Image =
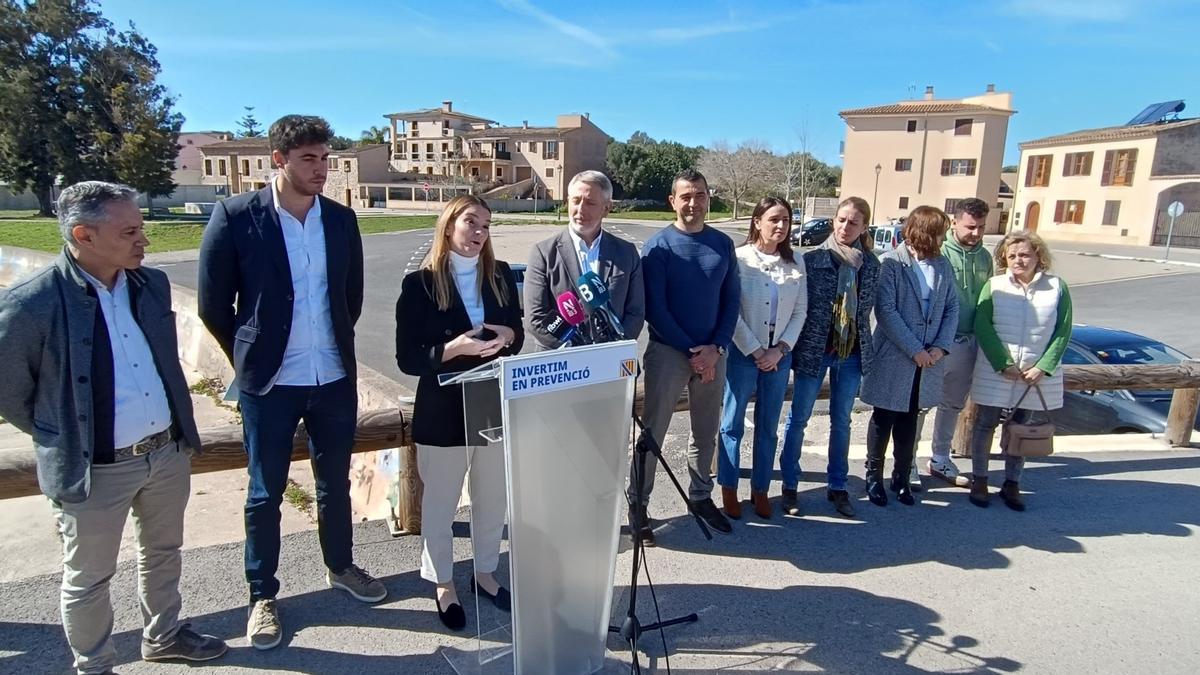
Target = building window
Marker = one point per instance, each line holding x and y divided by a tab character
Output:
1077	164
1037	172
1118	167
912	126
550	150
962	127
474	172
189	141
958	167
333	164
259	163
904	165
208	167
346	166
445	127
416	130
904	202
499	172
429	170
221	170
245	167
549	172
1068	211
1112	211
533	146
952	205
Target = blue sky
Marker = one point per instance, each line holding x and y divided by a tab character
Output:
695	72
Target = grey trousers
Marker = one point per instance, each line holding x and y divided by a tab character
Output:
668	372
986	420
960	366
155	487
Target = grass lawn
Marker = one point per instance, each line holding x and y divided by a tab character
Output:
41	234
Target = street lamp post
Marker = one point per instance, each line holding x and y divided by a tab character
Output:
875	196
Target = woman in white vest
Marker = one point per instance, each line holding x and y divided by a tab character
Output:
1023	324
774	304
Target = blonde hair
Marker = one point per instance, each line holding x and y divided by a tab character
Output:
438	260
1022	236
864	209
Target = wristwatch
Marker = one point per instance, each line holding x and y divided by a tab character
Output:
721	350
783	348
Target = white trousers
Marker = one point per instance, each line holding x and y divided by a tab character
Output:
442	471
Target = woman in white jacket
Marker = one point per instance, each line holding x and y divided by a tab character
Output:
1023	323
774	304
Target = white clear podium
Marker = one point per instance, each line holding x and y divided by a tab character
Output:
564	419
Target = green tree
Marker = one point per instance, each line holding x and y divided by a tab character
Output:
376	135
250	128
79	100
340	143
644	167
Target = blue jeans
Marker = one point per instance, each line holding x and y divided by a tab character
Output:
743	378
844	379
330	413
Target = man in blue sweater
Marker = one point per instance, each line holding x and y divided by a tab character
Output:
692	302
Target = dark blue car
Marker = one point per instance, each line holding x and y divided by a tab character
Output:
1120	410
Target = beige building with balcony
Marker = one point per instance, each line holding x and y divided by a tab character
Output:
1112	185
452	146
237	166
931	151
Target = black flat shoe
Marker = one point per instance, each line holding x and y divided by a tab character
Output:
502	599
903	492
876	493
453	617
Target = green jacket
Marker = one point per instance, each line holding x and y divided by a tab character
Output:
972	269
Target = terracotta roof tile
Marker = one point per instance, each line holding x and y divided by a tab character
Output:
921	107
1107	134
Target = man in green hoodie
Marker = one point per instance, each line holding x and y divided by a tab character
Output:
972	264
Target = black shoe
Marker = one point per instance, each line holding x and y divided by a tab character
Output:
706	509
453	616
841	502
1010	492
639	518
903	492
790	504
875	491
502	599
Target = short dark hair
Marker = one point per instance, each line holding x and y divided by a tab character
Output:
293	131
976	208
691	176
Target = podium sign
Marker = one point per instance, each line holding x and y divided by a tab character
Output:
567	417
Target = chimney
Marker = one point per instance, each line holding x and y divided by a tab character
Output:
587	115
991	89
524	124
447	106
929	93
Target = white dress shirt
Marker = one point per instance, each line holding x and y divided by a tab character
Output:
139	400
589	256
311	357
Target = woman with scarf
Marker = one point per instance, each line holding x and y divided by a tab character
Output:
842	274
916	314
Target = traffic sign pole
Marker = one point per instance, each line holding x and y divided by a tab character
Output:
1173	211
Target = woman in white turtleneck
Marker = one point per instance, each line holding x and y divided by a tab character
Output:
458	311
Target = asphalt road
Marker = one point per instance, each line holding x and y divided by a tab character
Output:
1098	576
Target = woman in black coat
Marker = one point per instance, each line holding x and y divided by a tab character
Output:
460	310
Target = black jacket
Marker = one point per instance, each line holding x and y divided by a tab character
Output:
422	331
245	290
822	272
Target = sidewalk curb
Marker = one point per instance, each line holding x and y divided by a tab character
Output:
1113	256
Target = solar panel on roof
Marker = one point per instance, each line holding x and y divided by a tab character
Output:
1155	112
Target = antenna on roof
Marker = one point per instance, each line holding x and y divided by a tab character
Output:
1157	112
912	90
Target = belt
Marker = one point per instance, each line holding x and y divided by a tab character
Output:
147	445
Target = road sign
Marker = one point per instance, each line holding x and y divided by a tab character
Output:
1175	209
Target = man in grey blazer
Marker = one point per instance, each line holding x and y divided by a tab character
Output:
557	263
91	372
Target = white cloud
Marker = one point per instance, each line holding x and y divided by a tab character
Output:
572	31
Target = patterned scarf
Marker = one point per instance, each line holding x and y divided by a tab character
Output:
845	300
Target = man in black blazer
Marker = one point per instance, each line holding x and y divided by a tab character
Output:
281	287
556	263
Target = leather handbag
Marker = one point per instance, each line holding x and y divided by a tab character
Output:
1029	438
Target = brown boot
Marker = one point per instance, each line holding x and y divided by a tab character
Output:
730	502
979	492
1010	492
762	506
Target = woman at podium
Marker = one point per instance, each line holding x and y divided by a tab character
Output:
459	311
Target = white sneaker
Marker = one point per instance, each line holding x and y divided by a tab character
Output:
948	472
914	479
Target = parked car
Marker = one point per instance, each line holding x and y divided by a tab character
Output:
812	233
886	237
797	216
1120	410
518	270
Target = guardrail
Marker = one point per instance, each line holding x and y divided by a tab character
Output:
390	428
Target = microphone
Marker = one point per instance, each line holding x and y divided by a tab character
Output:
565	326
595	294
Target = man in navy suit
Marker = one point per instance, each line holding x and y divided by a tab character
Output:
281	287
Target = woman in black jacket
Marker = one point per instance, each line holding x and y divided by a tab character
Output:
460	310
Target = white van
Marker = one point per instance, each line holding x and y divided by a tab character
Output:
887	237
